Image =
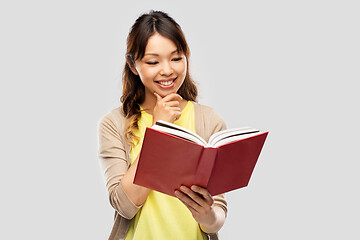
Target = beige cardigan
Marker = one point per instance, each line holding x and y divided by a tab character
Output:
114	154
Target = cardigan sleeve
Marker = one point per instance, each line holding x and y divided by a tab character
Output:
114	162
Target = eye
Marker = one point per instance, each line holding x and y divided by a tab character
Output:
177	59
151	63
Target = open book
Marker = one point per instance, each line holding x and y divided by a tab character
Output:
172	156
218	139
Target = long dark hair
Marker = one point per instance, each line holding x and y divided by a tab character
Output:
133	89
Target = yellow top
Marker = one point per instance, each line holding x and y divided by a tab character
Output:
163	217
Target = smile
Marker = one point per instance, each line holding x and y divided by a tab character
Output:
166	84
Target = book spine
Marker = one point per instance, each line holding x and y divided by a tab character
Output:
205	167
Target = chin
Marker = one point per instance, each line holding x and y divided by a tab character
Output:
162	94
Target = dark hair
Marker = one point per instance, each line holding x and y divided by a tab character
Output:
133	89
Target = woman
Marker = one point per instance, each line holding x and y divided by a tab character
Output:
156	86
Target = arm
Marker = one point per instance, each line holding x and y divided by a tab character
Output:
218	222
136	193
167	109
126	197
115	162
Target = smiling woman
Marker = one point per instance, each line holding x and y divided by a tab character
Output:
162	70
156	86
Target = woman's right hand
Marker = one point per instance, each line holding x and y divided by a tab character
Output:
167	108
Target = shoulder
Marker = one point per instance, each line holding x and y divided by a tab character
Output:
202	107
111	128
204	110
114	119
207	120
208	113
115	114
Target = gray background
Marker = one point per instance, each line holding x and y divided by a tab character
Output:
289	67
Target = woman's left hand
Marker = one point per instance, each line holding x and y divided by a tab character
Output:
199	201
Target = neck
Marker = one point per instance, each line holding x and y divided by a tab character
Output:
149	104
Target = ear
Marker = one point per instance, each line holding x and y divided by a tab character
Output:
133	69
131	65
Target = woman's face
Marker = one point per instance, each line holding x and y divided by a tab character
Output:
163	68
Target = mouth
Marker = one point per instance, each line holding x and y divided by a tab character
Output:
168	83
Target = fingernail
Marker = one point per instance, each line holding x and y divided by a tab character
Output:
177	193
182	188
193	187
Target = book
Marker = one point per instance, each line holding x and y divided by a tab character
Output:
172	156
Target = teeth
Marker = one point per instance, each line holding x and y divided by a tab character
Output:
167	83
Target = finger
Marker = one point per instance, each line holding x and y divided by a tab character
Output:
194	196
172	97
187	201
203	192
173	104
177	116
175	112
175	109
180	197
158	97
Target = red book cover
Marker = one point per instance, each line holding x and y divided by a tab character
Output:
166	162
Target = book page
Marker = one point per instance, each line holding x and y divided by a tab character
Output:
178	131
235	138
229	133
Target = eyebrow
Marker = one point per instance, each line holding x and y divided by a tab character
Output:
154	54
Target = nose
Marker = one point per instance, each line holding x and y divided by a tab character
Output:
166	69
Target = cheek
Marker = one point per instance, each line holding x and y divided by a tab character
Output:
181	69
147	73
